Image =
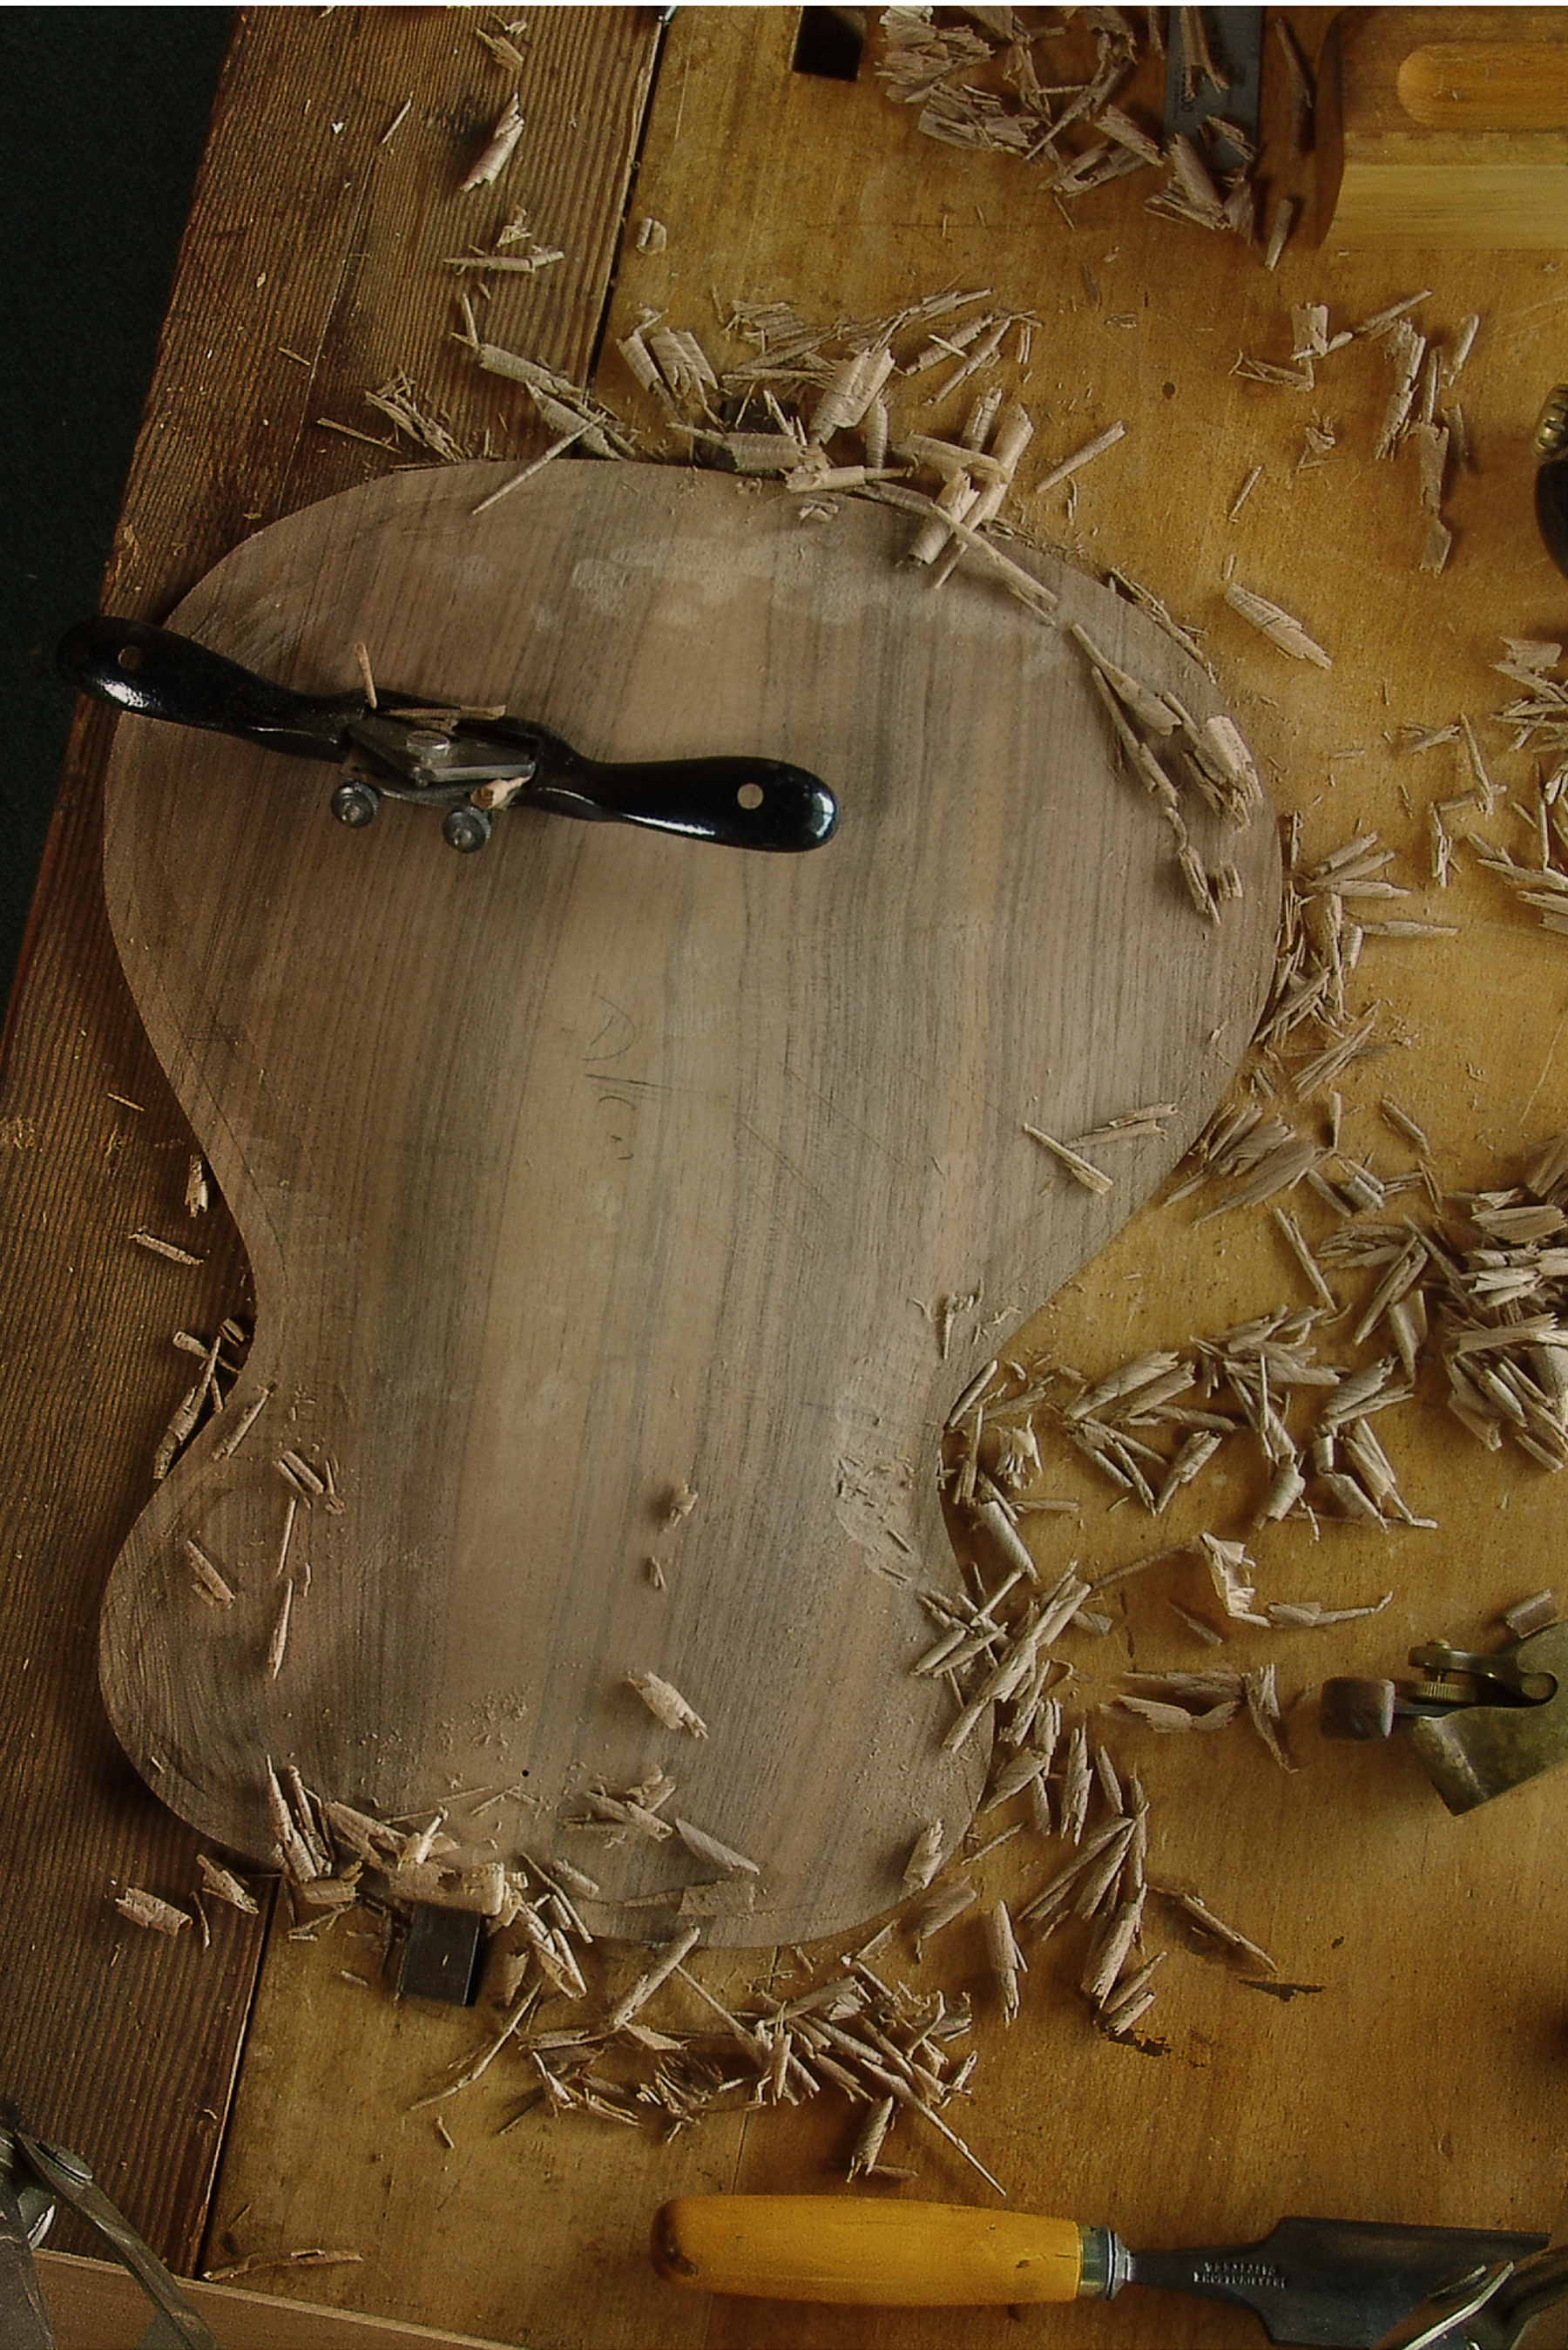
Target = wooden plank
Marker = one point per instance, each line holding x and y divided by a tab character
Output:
97	2305
98	2044
1400	2064
316	270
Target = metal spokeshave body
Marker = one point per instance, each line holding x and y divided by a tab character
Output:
467	764
1481	1723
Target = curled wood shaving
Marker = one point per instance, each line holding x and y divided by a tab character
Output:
925	1858
498	153
150	1911
224	1886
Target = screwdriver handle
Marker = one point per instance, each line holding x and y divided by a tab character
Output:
883	2255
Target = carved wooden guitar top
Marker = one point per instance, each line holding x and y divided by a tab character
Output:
604	1169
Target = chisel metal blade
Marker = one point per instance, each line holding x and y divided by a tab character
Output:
1341	2284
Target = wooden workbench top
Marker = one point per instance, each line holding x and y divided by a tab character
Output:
254	2098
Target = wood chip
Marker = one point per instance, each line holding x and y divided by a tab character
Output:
224	1886
665	1702
498	153
148	1910
709	1848
1092	1178
1274	622
157	1246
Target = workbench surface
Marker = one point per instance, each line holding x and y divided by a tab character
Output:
256	2099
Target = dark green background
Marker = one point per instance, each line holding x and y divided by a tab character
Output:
103	115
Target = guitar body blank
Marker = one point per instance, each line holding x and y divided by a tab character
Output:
604	1168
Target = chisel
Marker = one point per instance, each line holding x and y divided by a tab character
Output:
1340	2283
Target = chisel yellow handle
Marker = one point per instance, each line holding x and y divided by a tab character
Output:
841	2248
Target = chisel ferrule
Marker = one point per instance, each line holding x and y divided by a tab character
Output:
1104	2264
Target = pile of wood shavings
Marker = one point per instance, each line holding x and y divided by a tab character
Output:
1046	93
1421	409
1537	719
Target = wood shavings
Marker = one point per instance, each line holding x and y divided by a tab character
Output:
557	448
676	1506
502	47
1149	710
150	1911
1031	592
1264	1714
184	1422
1082	457
235	1436
1092	1178
666	1703
1197	1910
398	402
1295	1615
508	265
707	1848
870	2139
925	1858
1007	1960
1244	492
156	1245
565	407
1407	349
1380	322
498	153
1014	430
1234	1576
309	2256
209	1581
942	1907
278	1644
854	383
1274	622
623	1810
1309	330
1129	1126
1530	1615
224	1886
653	1977
1253	369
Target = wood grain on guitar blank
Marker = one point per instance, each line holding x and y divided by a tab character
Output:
603	1164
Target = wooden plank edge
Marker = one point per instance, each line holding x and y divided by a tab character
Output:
98	2305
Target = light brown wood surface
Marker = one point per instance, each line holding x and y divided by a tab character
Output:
602	1165
1446	128
1408	2063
